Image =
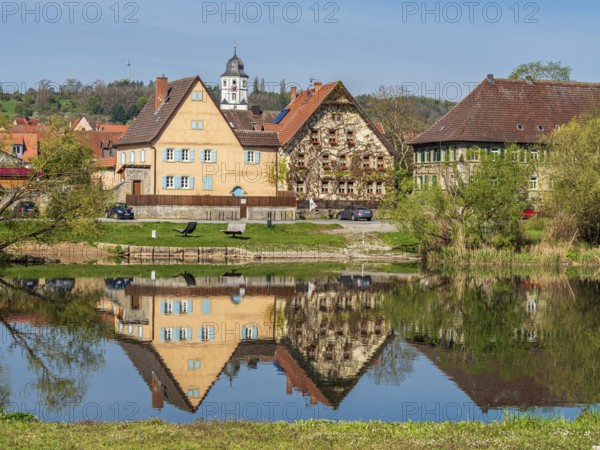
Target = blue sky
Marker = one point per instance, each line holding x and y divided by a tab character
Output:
365	44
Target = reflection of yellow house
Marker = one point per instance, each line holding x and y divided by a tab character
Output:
191	332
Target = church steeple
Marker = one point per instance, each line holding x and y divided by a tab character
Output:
234	84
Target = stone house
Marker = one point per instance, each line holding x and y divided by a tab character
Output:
330	148
497	113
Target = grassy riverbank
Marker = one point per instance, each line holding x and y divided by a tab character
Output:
583	433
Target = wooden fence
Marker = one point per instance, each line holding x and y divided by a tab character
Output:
282	201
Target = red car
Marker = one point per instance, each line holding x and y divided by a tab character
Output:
530	212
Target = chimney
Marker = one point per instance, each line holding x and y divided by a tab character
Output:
162	87
490	78
293	93
318	86
529	79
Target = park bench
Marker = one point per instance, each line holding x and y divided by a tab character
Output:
235	229
191	227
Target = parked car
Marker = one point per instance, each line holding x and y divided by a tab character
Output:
530	212
120	211
356	213
26	209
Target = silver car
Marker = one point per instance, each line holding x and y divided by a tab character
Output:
356	213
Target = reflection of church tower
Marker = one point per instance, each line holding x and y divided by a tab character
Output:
234	85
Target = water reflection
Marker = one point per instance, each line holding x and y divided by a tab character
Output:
355	347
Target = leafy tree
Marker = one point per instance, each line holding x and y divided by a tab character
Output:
398	112
542	70
481	203
64	179
118	114
575	171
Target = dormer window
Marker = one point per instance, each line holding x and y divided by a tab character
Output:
520	127
18	150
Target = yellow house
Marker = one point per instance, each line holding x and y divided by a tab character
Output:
181	144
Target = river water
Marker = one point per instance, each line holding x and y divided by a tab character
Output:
354	346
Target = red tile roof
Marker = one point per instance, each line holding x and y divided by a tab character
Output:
249	138
494	111
112	128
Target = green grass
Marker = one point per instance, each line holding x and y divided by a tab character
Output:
9	107
257	236
522	433
401	241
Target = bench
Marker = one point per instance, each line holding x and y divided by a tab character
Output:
191	227
235	229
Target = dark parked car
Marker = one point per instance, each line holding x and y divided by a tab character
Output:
26	209
356	213
120	211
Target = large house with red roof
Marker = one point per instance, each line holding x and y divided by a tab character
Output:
500	112
332	150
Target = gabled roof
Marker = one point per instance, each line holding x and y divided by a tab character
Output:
308	102
299	113
150	123
494	111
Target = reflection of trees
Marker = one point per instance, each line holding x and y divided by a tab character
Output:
484	325
67	350
395	363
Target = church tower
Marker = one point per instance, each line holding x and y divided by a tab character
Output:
234	85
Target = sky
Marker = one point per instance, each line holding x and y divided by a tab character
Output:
436	48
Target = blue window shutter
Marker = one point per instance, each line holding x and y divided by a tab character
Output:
202	156
176	334
200	96
190	364
140	332
190	335
191	182
194	125
190	393
162	307
197	365
177	182
255	333
178	155
190	306
211	333
206	306
245	157
164	182
200	125
208	183
257	156
164	154
244	332
192	155
162	335
176	307
213	156
200	334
